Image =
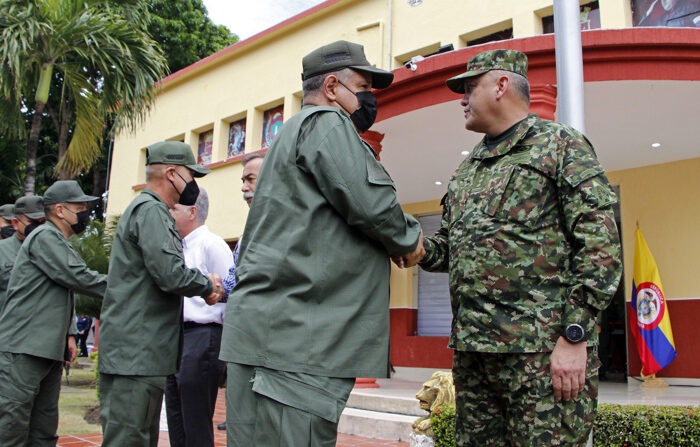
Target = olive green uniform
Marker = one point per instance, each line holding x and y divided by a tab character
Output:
141	326
310	311
8	253
529	240
35	321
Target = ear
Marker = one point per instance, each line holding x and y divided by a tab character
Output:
59	210
330	84
193	212
502	84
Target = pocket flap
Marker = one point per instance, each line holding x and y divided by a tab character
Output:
377	175
296	394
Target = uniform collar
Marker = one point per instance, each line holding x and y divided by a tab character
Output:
153	194
482	151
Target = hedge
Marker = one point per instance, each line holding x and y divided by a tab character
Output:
615	426
648	426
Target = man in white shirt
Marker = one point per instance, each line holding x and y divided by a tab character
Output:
190	394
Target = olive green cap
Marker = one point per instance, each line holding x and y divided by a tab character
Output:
174	153
66	191
30	206
343	54
508	60
6	211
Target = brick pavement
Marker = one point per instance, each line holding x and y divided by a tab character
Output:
95	439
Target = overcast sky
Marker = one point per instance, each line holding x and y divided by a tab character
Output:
249	17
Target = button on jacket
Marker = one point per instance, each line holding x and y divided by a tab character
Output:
141	324
38	311
529	239
313	274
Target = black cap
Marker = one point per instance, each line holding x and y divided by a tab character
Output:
343	54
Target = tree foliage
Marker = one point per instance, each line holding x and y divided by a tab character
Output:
99	68
185	32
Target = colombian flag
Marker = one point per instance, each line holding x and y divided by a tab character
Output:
650	321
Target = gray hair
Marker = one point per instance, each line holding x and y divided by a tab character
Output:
154	172
202	205
520	84
312	86
247	158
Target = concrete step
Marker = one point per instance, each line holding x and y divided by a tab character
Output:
371	400
376	424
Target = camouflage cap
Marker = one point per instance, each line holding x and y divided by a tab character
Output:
30	206
174	153
509	60
6	211
343	54
66	191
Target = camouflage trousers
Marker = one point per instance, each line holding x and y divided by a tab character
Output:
508	400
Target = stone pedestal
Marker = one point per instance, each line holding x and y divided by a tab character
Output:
421	440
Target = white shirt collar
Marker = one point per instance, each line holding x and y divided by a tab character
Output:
194	235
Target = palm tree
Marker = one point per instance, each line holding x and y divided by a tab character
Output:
106	66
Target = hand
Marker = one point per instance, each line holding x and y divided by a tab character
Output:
568	369
72	349
217	292
414	258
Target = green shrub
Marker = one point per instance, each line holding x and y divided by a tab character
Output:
615	426
648	426
442	421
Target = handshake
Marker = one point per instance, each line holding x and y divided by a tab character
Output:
411	259
217	292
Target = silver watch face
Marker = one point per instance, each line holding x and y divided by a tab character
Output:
575	333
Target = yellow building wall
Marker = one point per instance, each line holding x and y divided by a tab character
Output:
663	199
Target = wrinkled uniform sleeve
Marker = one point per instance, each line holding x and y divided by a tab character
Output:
60	262
359	188
586	199
437	253
161	247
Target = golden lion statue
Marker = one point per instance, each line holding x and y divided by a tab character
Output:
440	389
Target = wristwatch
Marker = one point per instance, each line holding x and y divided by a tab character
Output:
574	333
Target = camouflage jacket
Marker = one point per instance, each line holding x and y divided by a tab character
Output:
529	240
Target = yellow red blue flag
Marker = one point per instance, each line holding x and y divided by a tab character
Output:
650	321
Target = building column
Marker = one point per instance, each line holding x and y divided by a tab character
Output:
374	139
543	100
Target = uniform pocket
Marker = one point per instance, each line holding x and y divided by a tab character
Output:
490	189
296	394
377	175
525	196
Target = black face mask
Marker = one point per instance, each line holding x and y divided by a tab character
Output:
31	227
83	221
7	231
364	117
189	195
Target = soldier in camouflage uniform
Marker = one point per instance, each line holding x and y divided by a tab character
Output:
531	246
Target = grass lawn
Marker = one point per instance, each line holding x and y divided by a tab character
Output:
78	397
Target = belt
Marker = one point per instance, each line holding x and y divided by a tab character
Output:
192	324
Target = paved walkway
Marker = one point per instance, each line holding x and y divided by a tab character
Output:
95	439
